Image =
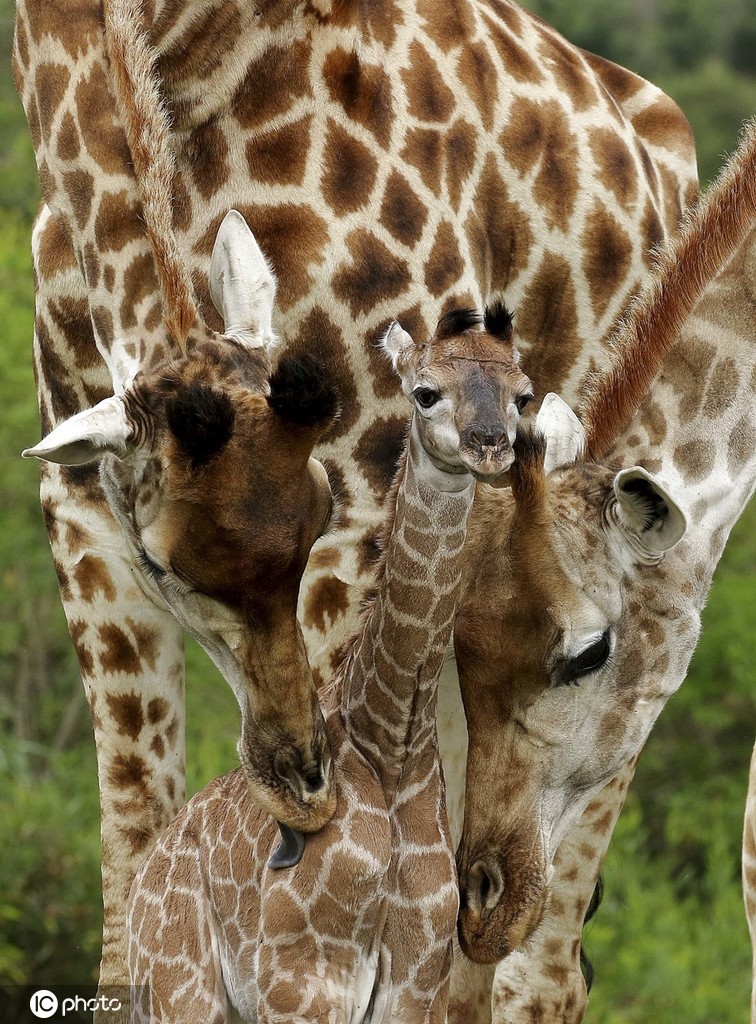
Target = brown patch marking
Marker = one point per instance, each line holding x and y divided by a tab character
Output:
328	599
402	213
126	711
723	387
94	580
444	266
695	459
423	149
79	186
50	82
119	653
349	172
446	24
68	143
615	165
77	628
128	770
376	274
157	709
362	90
103	138
498	233
741	446
478	75
273	85
518	62
280	156
207	156
607	259
460	154
377	452
549	309
118	222
429	97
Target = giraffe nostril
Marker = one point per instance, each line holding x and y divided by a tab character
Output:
485	886
488	436
313	779
306	781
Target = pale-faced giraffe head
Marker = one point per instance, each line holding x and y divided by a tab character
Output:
207	465
570	636
467	389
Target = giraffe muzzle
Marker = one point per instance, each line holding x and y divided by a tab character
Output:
500	907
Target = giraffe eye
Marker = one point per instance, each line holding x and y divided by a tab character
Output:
152	569
523	400
590	660
425	397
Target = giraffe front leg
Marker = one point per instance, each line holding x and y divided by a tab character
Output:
131	659
544	981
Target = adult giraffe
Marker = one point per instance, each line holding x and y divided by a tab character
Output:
598	573
396	159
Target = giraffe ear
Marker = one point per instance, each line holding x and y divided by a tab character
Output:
242	285
651	520
563	431
399	347
87	435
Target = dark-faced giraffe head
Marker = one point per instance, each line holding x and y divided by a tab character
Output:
571	633
207	465
467	389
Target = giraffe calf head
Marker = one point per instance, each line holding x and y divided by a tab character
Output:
467	390
206	463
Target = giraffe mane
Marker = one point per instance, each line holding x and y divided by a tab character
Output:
526	474
709	236
147	128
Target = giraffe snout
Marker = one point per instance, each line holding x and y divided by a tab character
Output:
485	450
502	901
309	781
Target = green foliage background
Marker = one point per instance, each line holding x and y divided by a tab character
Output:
670	942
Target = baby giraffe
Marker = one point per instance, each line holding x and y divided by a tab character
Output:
362	927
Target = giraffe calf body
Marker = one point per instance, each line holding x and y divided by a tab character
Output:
362	927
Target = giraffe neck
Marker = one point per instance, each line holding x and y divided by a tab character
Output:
69	84
389	680
696	427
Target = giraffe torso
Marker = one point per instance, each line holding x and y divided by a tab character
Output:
389	171
403	174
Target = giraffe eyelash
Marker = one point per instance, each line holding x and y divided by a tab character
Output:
164	580
150	568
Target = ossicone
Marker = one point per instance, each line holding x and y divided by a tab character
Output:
302	392
497	320
201	418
